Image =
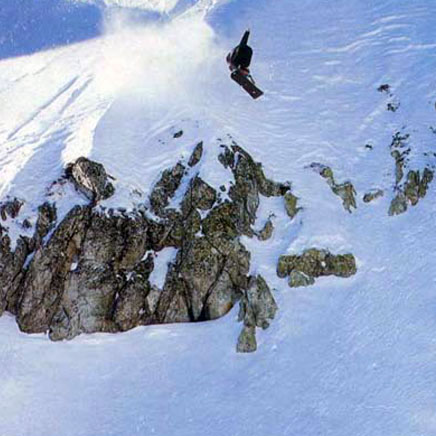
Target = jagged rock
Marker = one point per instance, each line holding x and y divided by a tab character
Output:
180	228
47	216
199	195
226	157
247	340
10	208
398	204
257	306
291	205
399	151
12	262
196	155
267	231
250	181
166	187
11	270
90	178
411	188
73	280
344	190
172	306
371	196
209	275
267	187
411	192
399	164
315	263
414	187
44	281
347	192
178	134
427	178
131	304
326	173
91	272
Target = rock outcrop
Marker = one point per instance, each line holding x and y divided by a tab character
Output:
257	308
414	188
344	190
91	179
291	205
10	208
372	195
410	189
302	270
91	271
196	155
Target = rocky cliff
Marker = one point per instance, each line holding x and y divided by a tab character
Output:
89	271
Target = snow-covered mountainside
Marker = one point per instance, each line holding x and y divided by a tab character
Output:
348	120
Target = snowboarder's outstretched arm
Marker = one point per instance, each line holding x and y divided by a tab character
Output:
244	39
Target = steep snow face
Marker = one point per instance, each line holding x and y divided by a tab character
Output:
345	357
76	100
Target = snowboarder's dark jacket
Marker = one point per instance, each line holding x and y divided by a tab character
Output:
241	55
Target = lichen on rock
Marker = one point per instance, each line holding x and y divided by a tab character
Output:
411	191
257	308
312	263
291	204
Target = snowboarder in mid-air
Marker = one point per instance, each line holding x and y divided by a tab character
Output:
239	60
240	57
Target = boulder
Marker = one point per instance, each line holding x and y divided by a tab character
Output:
196	155
291	204
344	190
256	309
90	178
372	195
267	231
302	269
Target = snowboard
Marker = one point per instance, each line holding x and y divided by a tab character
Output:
249	86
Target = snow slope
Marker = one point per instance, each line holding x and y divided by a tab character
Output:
343	357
